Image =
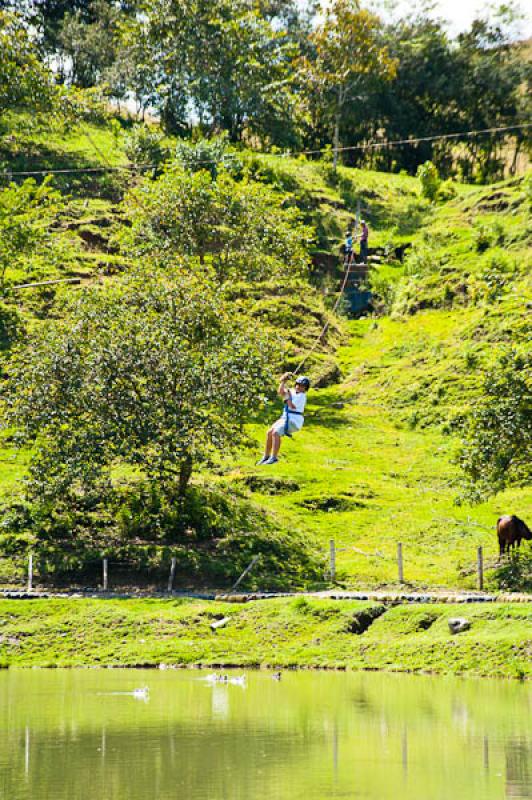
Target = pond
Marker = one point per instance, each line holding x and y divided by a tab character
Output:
98	734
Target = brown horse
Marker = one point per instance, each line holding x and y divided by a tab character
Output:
511	530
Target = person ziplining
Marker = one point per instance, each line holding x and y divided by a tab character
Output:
291	420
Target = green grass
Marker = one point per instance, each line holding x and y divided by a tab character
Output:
301	632
383	483
380	469
392	203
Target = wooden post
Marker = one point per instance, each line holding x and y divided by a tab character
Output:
332	559
30	573
400	561
480	568
105	575
172	574
248	569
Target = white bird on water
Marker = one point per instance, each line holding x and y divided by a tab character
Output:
240	680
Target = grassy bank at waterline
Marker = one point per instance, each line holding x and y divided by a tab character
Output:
300	632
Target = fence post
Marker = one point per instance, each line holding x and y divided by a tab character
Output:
172	574
30	572
332	560
400	561
480	568
105	575
248	569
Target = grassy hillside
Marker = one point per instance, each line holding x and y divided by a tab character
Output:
301	632
374	464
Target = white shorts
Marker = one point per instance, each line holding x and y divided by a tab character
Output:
280	425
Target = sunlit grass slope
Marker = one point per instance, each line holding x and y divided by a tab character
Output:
301	632
360	476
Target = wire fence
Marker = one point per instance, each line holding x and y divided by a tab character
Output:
111	574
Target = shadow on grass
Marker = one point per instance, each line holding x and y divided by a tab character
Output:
323	412
41	157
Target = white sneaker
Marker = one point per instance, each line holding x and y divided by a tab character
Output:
272	460
263	460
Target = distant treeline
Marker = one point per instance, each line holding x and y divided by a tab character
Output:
276	75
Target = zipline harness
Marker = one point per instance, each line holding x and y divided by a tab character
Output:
287	412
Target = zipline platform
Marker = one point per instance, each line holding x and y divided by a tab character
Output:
358	299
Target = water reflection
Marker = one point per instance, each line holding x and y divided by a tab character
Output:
79	735
518	768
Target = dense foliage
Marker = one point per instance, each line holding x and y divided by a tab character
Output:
241	230
156	373
194	254
282	74
497	451
26	214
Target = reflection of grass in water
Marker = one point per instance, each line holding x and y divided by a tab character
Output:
325	735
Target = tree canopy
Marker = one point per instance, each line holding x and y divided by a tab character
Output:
278	74
497	448
240	230
157	373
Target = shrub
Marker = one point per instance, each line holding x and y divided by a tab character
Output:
496	275
208	154
483	238
446	191
11	325
515	573
487	236
213	535
496	450
143	146
430	180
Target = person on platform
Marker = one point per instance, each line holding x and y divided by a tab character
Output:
364	234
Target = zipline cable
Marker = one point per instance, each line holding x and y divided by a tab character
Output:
286	154
417	140
327	324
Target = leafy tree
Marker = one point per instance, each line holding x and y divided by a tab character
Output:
241	231
350	57
157	373
225	60
89	48
211	155
497	448
144	146
25	83
26	213
132	73
494	81
444	86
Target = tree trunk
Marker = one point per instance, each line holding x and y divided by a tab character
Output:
336	139
337	116
185	473
513	167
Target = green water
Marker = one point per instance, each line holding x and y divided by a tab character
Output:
77	735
